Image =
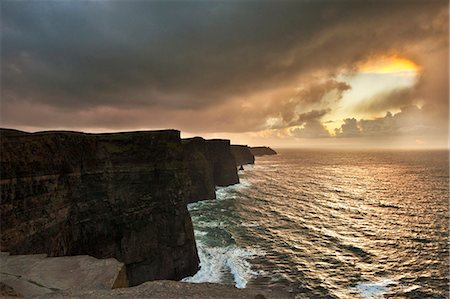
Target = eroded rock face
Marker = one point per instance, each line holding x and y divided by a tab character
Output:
210	163
119	195
200	169
242	155
224	165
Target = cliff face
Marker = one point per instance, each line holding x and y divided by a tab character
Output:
242	155
107	195
210	163
200	170
262	151
224	165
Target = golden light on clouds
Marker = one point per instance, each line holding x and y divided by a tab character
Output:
389	64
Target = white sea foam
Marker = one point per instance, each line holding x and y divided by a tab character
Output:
199	233
218	264
215	262
229	192
374	290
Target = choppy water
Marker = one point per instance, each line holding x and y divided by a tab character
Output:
331	224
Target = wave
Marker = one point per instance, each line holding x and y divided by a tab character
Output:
232	191
227	262
373	290
216	262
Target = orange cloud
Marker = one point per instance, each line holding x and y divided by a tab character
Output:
388	64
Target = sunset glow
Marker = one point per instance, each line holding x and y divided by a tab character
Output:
388	65
288	74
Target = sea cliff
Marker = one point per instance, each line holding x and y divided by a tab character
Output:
262	151
120	195
242	155
210	163
113	195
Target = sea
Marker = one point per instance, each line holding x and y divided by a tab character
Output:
331	224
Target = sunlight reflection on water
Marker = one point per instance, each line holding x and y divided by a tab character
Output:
338	224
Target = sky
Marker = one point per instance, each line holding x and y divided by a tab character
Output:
349	73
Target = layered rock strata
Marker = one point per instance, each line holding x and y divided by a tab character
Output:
200	169
210	163
120	195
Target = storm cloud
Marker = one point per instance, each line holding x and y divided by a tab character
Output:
208	66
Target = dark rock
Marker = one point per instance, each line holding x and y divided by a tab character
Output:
242	155
178	290
8	292
12	132
210	163
120	195
37	274
262	151
224	165
200	169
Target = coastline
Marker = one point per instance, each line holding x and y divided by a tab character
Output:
63	171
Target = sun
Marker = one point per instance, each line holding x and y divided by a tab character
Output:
388	64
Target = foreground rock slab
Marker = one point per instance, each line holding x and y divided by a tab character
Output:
164	289
37	274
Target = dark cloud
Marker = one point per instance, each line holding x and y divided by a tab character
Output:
204	66
316	92
312	115
312	94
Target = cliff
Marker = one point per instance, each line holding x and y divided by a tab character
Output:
242	155
224	165
262	151
210	163
200	169
120	195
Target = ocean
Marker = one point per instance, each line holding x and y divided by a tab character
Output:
331	224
